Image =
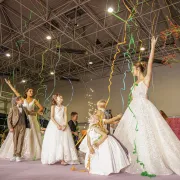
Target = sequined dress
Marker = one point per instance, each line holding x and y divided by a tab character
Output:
143	130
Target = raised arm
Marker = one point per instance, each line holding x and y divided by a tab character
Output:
150	61
52	117
12	88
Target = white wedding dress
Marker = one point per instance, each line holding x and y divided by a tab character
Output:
32	140
108	158
57	144
143	130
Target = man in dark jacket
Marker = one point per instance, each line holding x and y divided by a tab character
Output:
73	124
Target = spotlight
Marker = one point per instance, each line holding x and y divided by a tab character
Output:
142	48
110	9
23	81
8	54
90	62
48	37
52	72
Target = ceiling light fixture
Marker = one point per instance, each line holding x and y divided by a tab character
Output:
90	62
142	48
110	9
8	54
52	72
48	37
23	81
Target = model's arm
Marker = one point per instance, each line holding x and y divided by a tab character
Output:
102	138
65	119
12	88
52	118
39	106
112	120
148	76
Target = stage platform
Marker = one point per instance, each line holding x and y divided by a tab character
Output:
34	170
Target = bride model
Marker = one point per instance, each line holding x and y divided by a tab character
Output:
153	147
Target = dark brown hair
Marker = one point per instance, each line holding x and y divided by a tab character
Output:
74	113
25	92
163	114
141	65
54	98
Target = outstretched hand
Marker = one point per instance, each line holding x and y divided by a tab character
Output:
92	151
7	81
118	117
40	113
153	41
116	122
96	144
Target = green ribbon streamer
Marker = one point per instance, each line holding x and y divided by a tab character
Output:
119	17
145	173
131	50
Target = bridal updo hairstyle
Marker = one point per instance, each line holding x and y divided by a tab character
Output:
141	66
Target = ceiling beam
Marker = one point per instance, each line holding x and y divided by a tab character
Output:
51	51
65	33
166	14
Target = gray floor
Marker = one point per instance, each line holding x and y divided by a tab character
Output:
34	170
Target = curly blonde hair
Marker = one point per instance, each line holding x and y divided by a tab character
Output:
101	103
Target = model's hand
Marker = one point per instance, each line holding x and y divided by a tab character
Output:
96	144
75	133
119	116
64	128
7	81
154	41
40	113
116	122
59	127
91	149
11	130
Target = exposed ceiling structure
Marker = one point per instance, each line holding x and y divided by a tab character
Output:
84	35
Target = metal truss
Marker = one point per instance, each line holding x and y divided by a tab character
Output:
79	26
